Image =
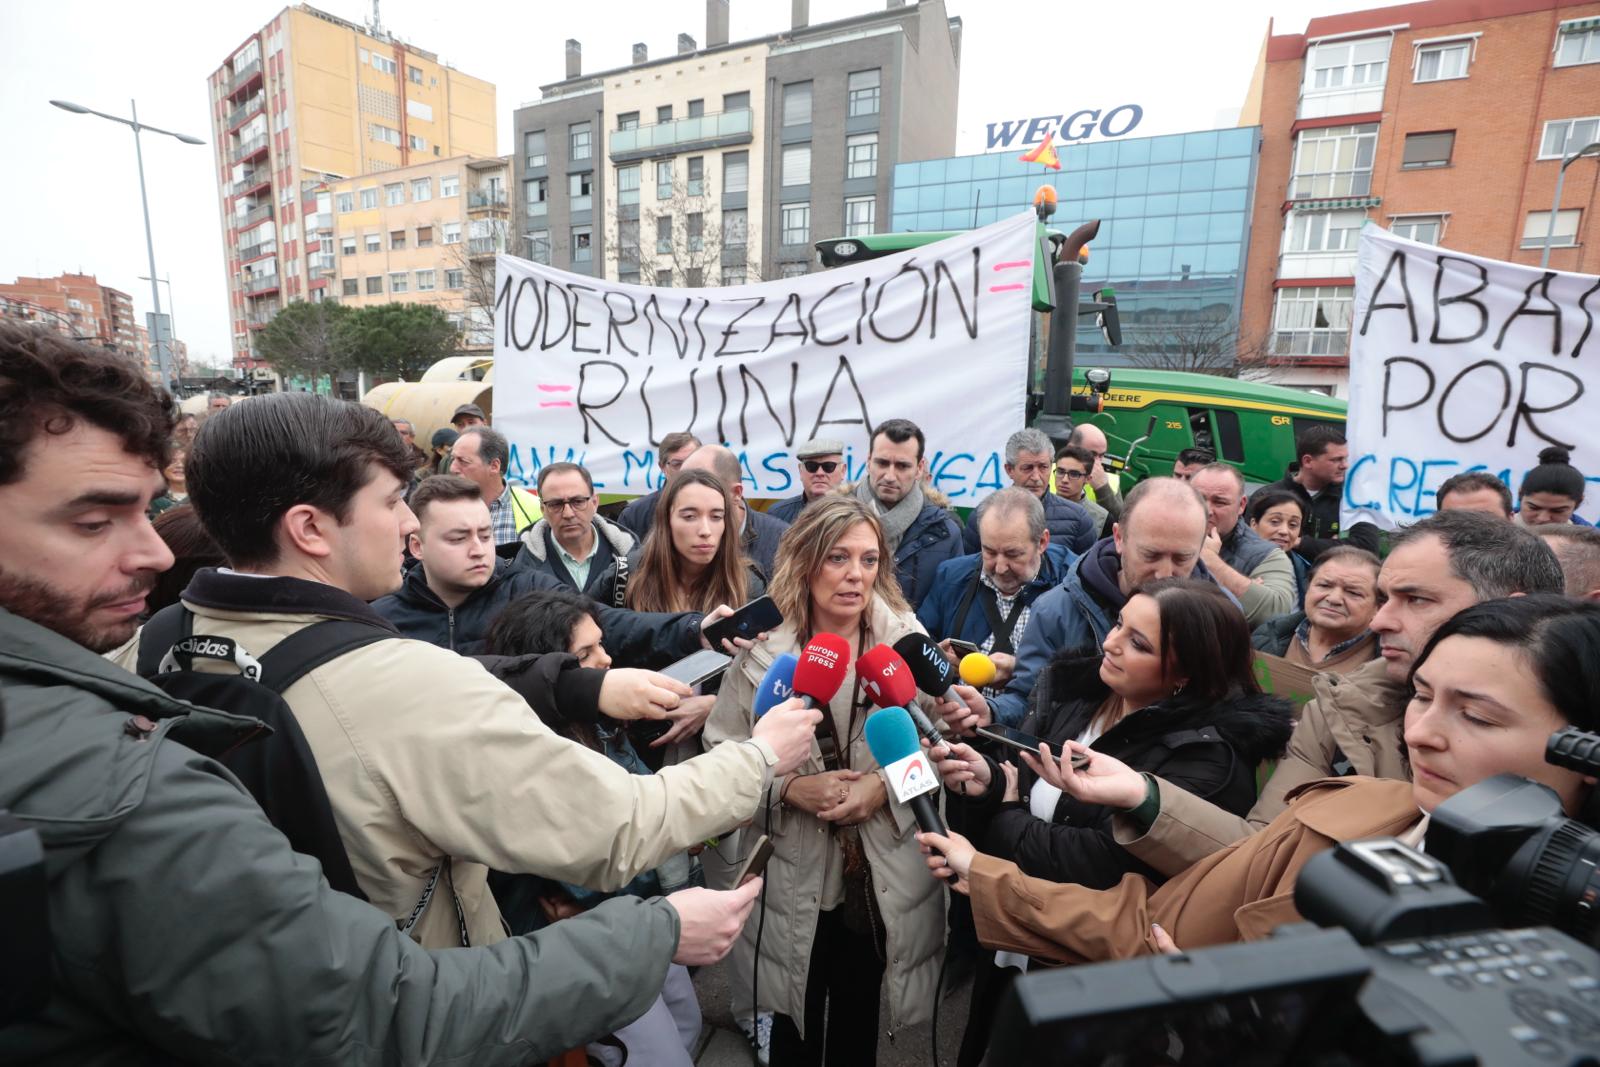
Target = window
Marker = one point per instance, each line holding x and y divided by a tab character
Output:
399	283
414	73
697	176
1323	231
1347	64
580	144
453	279
695	277
732	275
383	63
424	236
579	187
533	149
384	134
582	249
797	104
450	185
397	240
346	202
664	113
797	164
1578	41
538	246
1313	320
1425	228
374	242
421	189
425	281
664	279
735	101
628	120
628	277
695	227
347	246
452	233
1428	150
417	144
1565	234
736	172
697	108
861	156
394	195
860	215
735	229
536	196
369	199
863	85
1335	161
791	270
663	233
351	287
1563	137
628	244
375	285
796	224
1441	62
628	184
664	179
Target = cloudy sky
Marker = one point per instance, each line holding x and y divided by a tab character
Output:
73	190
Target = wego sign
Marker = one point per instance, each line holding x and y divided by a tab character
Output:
1010	133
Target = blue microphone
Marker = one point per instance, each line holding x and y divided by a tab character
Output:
778	683
893	741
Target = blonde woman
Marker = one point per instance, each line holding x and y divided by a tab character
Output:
847	900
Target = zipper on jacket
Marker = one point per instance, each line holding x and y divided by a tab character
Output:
451	613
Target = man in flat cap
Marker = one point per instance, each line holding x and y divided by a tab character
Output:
821	463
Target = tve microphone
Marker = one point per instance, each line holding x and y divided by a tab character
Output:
893	741
821	669
777	685
977	670
932	671
886	677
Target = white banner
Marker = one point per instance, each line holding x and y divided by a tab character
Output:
1459	363
597	372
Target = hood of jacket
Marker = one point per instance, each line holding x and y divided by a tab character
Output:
620	540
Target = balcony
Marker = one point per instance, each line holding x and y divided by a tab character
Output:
259	213
244	76
680	135
487	201
483	247
257	319
251	182
258	284
256	251
255	146
238	115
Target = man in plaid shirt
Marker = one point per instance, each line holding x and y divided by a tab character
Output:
480	456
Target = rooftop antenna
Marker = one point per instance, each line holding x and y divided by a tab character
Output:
376	27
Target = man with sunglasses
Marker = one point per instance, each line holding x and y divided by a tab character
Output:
821	463
572	543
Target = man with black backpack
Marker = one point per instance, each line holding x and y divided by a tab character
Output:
303	494
182	926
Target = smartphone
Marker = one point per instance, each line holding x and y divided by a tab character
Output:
758	616
756	864
961	648
1012	737
702	666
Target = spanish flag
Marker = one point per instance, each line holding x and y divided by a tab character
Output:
1044	154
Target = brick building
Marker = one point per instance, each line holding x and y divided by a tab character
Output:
1445	121
78	306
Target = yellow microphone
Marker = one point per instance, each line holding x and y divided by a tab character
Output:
977	670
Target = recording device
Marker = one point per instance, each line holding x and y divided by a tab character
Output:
893	742
1012	737
1481	950
821	669
755	864
756	617
977	670
960	647
698	667
887	679
777	685
932	672
24	919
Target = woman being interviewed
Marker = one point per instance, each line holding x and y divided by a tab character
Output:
846	887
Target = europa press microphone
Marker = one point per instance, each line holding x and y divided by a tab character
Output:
821	669
777	685
883	672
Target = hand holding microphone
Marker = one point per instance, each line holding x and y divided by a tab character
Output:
962	707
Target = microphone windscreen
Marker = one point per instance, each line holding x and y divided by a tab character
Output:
777	685
822	667
932	671
977	670
885	677
891	736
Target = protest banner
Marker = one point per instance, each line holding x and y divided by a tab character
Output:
598	372
1461	363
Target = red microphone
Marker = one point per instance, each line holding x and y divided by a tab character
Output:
821	670
887	677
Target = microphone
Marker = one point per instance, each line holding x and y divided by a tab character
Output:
932	671
893	742
977	670
821	669
885	675
777	685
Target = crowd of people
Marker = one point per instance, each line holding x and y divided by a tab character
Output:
490	830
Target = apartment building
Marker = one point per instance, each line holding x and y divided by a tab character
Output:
425	234
722	163
78	306
309	99
1446	121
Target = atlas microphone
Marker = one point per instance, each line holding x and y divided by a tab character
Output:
777	685
887	679
821	669
909	770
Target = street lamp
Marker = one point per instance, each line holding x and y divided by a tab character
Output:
172	308
1590	149
162	356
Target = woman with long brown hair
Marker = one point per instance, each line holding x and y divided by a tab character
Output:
846	901
691	560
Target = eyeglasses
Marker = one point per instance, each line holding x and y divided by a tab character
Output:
575	505
672	465
1071	475
826	466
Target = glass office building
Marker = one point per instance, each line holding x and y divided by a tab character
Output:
1175	226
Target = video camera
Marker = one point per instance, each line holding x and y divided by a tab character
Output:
24	918
1481	951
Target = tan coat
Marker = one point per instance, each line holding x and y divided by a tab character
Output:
1240	893
425	755
1360	714
912	904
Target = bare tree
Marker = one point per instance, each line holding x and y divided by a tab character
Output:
1206	341
685	239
